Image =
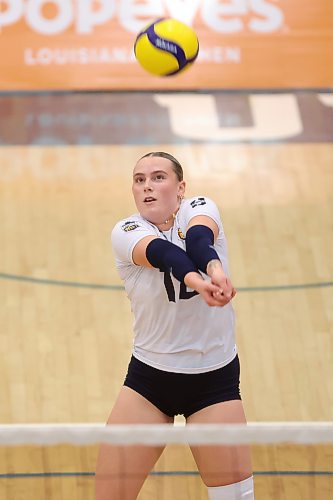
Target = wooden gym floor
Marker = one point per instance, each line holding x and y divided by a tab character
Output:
65	322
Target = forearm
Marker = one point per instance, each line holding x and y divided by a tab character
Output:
200	248
193	280
166	256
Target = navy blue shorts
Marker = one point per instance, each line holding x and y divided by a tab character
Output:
182	393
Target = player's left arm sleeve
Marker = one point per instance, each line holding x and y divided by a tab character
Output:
200	246
203	228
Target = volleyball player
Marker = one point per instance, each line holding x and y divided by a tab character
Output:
172	257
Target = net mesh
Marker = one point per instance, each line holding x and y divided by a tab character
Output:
292	460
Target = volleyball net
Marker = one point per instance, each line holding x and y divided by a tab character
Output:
292	460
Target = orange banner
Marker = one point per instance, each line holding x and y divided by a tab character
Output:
88	44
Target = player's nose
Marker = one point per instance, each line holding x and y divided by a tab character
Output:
147	185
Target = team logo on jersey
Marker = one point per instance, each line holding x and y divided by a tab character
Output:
180	234
129	226
197	202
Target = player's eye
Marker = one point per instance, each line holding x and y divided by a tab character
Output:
159	177
139	180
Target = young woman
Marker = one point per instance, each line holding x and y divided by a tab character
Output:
172	257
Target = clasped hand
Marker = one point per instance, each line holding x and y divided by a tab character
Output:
216	292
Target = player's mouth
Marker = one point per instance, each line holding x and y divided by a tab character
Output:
149	199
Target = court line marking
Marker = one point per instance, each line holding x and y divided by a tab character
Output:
245	90
31	475
41	281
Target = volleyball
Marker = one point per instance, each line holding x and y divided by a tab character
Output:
166	47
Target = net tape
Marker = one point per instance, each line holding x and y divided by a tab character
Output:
158	434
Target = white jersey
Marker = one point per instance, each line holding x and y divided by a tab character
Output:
174	329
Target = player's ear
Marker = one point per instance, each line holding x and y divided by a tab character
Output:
181	190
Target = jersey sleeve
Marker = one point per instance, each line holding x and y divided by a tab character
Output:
125	235
201	205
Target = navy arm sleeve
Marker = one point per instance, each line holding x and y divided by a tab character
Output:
200	246
166	256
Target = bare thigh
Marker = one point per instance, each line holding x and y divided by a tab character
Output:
220	465
122	470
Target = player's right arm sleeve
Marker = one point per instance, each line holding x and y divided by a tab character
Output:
166	256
